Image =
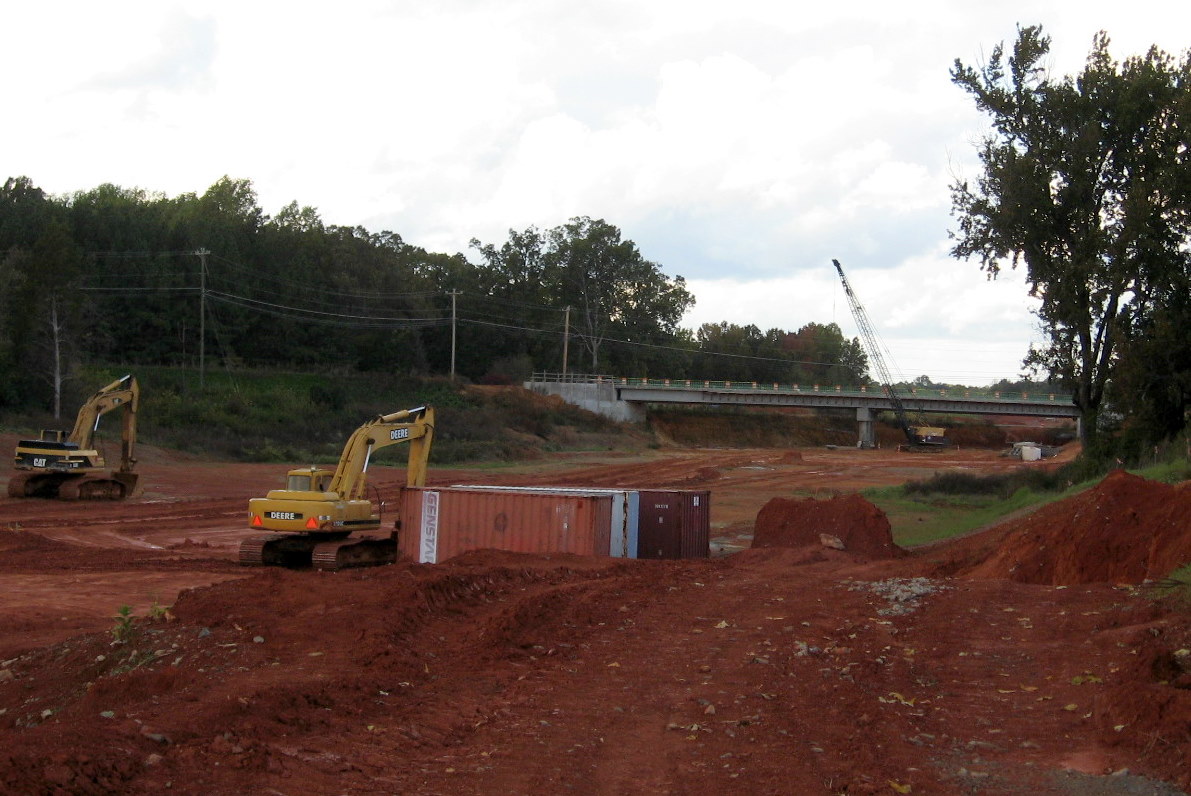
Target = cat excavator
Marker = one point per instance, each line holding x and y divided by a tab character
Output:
67	466
323	517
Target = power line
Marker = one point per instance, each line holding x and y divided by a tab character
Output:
339	319
365	320
255	275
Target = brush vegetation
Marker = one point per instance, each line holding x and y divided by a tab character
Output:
273	416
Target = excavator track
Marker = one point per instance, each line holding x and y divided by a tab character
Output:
357	551
252	551
18	485
293	550
65	486
91	488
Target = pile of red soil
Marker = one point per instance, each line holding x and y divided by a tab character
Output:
1125	530
862	527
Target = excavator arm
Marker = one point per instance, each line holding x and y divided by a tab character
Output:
121	393
412	426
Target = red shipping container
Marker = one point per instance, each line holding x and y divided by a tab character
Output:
439	523
674	524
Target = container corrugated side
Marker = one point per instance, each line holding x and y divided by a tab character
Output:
625	511
696	523
440	523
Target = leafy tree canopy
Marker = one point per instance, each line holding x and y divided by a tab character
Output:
1085	182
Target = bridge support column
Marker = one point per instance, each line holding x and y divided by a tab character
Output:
868	434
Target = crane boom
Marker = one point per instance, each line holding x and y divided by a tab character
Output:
913	436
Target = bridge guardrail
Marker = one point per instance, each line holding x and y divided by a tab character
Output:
793	388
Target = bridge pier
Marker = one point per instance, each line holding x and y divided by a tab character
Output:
868	432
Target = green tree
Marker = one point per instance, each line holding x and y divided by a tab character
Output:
727	351
615	292
1152	380
1081	182
822	354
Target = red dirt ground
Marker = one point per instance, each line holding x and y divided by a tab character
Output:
1023	659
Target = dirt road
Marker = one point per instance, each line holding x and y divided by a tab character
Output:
784	671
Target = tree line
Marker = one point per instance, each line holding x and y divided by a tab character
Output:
123	275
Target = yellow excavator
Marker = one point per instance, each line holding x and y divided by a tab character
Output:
67	466
314	518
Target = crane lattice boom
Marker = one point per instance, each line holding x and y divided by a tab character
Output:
875	357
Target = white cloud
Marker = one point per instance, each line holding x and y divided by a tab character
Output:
742	145
933	316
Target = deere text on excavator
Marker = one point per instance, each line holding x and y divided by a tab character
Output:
314	518
67	466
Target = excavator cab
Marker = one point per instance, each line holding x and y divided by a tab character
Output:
309	480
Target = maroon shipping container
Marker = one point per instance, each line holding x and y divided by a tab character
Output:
439	523
674	524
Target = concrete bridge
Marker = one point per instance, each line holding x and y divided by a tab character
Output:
625	399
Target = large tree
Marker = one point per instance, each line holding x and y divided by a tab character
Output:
1081	182
614	291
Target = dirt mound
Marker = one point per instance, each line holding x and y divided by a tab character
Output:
861	527
1125	530
773	670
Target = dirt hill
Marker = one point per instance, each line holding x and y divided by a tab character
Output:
798	668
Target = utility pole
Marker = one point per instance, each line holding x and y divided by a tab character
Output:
566	338
202	255
453	294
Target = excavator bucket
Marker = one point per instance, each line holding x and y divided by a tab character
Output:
129	480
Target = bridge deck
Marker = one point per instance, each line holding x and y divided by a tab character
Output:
691	391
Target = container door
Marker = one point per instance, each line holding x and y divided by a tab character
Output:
659	534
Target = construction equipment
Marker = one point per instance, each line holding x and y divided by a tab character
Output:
314	517
66	466
918	437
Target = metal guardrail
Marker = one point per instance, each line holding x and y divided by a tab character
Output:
797	389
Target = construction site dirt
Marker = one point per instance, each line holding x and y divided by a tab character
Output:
1034	657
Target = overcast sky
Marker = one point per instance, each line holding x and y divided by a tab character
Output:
741	145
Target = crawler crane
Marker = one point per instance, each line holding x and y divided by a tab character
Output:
918	437
67	465
314	518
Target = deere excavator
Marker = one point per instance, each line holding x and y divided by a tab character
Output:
312	520
67	466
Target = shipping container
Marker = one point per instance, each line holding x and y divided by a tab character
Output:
623	523
439	523
674	524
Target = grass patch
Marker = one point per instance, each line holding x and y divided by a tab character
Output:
1174	590
1171	472
916	520
953	503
